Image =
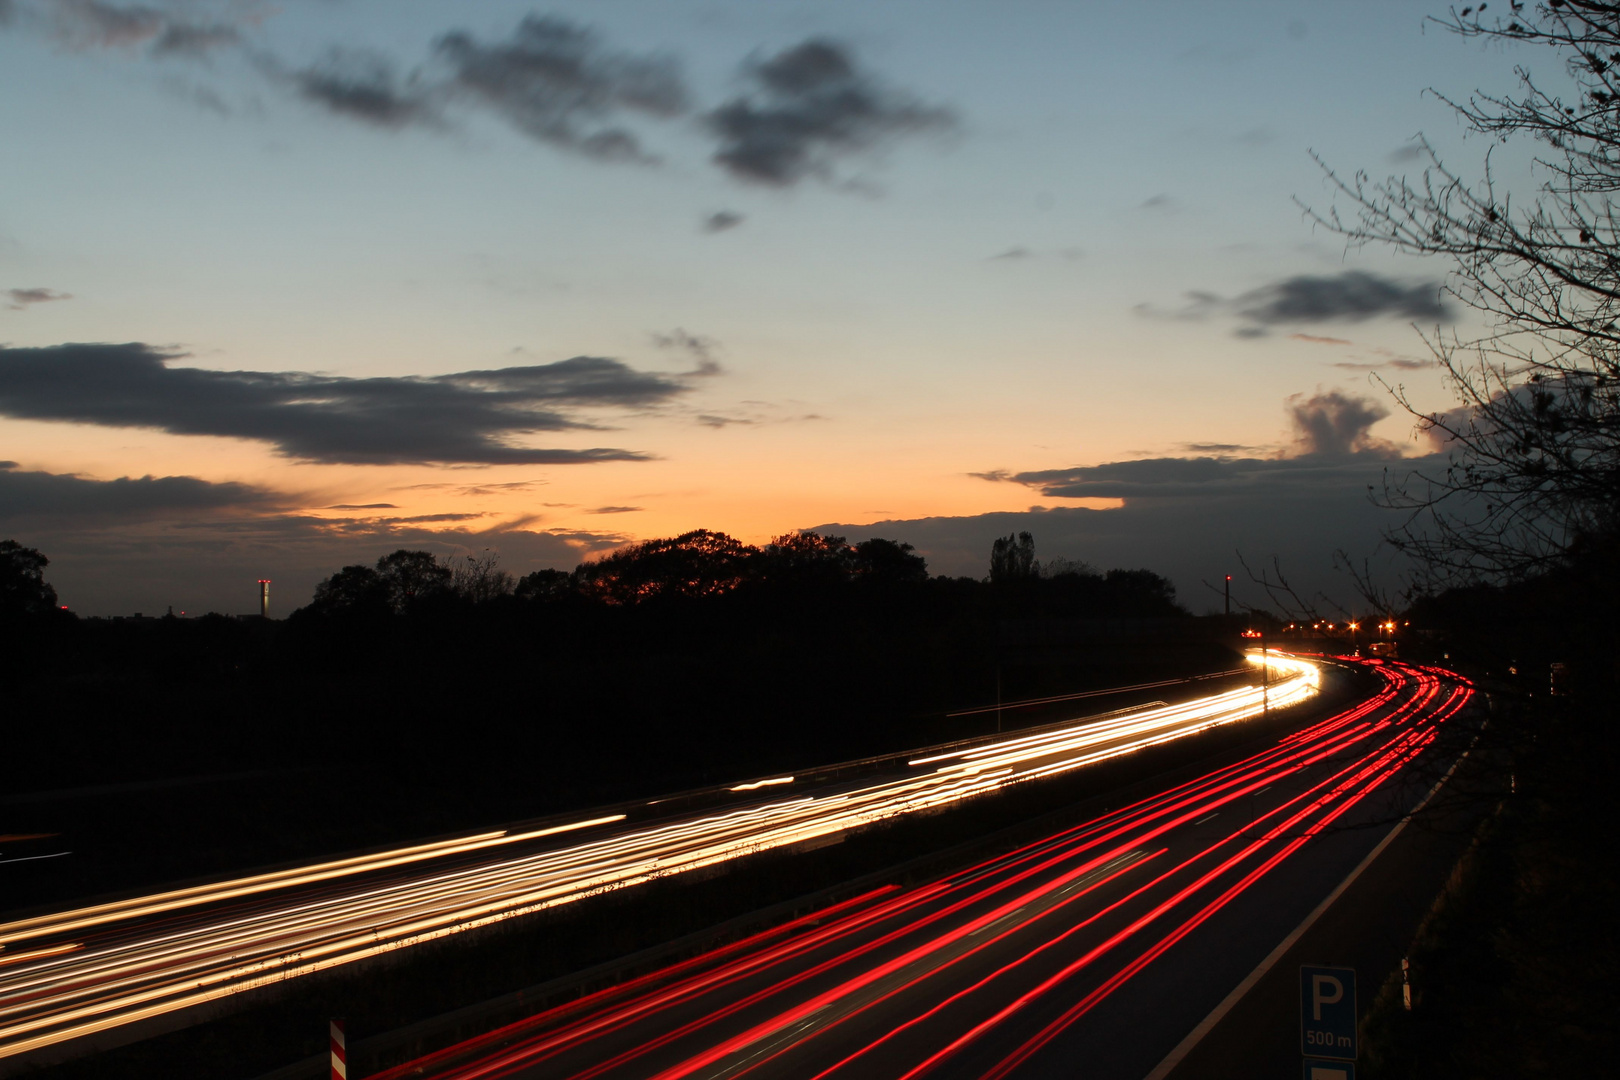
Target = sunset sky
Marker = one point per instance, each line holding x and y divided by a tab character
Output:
288	285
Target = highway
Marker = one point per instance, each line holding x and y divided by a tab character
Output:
72	974
1090	952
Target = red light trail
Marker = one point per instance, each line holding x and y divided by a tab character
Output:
981	972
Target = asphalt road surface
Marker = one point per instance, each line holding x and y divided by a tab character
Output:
91	973
1092	952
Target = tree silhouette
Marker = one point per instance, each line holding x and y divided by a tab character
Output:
1012	558
544	585
807	558
353	590
478	578
412	576
23	588
698	563
888	561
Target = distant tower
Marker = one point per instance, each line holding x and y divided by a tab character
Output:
264	598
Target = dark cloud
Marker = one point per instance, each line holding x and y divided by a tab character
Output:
466	417
1412	151
615	510
1198	305
1217	448
1012	253
165	27
1160	201
21	298
721	220
1152	477
1353	295
423	519
472	490
188	39
699	349
363	86
478	490
93	24
27	496
555	82
1399	363
361	506
758	413
1316	339
1336	423
807	107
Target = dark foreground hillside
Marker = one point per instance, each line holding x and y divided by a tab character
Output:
1513	971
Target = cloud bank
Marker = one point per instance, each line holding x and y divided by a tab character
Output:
31	495
470	417
145	543
1188	517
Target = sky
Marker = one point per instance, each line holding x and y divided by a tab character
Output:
285	286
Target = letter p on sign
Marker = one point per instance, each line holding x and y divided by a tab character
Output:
1327	1013
1325	990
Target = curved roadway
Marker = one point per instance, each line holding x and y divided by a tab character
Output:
72	974
1091	952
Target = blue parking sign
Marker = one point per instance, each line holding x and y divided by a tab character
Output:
1327	1013
1317	1069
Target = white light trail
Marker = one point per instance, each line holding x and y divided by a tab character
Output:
151	955
757	784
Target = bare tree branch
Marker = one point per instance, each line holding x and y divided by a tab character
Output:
1533	457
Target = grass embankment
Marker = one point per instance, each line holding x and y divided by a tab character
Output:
430	980
1514	971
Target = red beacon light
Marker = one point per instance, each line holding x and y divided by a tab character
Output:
1251	633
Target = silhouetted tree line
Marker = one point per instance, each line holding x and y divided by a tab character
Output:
703	564
694	638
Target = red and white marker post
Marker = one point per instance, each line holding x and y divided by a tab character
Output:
340	1052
